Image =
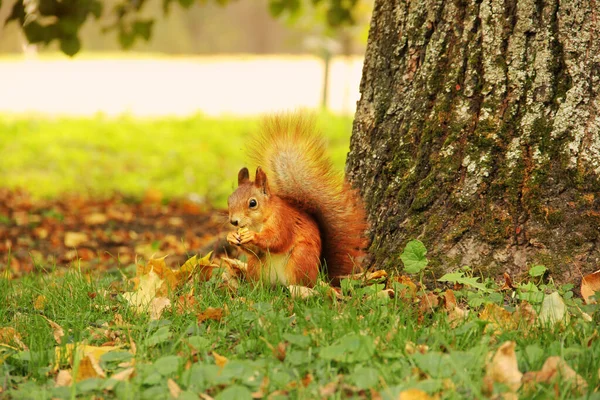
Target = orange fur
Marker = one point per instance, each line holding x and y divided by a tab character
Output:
306	211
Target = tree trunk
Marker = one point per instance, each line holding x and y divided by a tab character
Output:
478	133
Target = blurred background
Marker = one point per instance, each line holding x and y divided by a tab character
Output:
170	114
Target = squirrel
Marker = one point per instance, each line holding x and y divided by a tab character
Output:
298	215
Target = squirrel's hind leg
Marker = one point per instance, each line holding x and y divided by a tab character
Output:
303	266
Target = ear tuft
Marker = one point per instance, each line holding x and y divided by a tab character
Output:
261	181
243	176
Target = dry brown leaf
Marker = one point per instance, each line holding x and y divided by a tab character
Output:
57	330
329	389
89	367
174	388
412	348
414	394
555	369
449	300
95	219
301	292
410	291
75	239
40	302
63	378
279	351
201	268
428	302
502	367
508	283
525	314
210	313
157	306
123	375
376	275
11	338
307	380
499	319
262	390
590	284
219	359
204	396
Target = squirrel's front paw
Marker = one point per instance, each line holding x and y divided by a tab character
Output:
245	236
234	238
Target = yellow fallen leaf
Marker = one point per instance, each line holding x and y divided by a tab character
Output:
499	319
95	219
74	239
9	337
63	378
219	359
174	388
67	352
414	394
502	367
301	292
157	306
590	284
40	302
149	284
89	367
57	330
555	369
123	375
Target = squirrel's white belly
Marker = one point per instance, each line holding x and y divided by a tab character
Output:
276	271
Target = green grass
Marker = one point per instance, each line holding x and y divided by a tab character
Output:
360	343
202	155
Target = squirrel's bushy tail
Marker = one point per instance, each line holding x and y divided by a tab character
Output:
293	155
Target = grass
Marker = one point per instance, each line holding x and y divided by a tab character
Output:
201	155
274	344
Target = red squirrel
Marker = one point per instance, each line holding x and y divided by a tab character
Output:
298	215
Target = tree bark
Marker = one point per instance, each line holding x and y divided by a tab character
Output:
478	133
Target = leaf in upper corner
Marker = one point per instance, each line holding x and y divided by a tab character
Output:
590	284
556	370
413	257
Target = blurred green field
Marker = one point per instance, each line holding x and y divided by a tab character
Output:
99	156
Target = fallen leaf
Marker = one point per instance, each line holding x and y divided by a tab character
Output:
449	300
412	348
11	338
57	330
414	394
499	319
555	369
152	196
40	302
157	306
63	378
590	284
219	359
174	388
428	302
279	351
301	292
508	283
408	292
329	389
210	313
553	310
95	219
123	375
525	314
89	367
74	239
502	367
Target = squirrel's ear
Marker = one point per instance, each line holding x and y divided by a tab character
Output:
261	181
243	176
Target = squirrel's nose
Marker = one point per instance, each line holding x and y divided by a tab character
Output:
234	221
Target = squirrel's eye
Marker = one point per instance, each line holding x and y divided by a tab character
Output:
252	203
